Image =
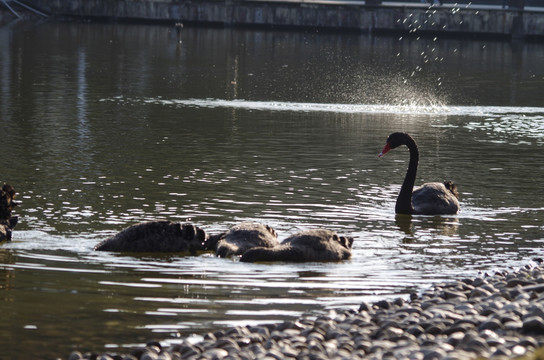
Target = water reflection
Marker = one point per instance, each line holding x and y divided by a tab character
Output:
6	257
82	98
109	125
439	225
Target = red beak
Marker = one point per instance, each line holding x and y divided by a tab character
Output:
385	150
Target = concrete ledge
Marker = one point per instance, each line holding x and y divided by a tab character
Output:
395	17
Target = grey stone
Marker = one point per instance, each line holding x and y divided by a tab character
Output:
149	355
434	354
76	355
492	324
215	354
537	288
479	292
533	324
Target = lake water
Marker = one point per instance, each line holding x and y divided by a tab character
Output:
106	125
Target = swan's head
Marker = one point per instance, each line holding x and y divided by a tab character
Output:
395	140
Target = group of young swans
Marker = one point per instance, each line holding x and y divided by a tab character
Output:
259	243
255	242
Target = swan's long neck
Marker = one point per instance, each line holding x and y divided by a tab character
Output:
404	200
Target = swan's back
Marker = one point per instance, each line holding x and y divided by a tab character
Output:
310	245
244	236
156	236
435	199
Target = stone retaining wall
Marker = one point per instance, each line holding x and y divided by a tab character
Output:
338	16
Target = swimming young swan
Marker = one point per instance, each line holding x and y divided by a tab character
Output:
311	245
242	237
156	236
430	198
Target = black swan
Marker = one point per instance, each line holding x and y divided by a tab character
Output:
428	199
242	237
156	236
7	203
310	245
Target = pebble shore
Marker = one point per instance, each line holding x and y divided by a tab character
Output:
499	316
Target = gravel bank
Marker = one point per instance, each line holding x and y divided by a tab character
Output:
498	315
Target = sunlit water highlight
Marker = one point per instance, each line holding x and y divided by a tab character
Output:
407	109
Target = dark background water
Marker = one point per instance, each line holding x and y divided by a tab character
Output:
106	125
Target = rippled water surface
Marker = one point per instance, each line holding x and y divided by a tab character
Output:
106	125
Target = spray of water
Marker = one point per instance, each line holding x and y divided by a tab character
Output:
398	91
